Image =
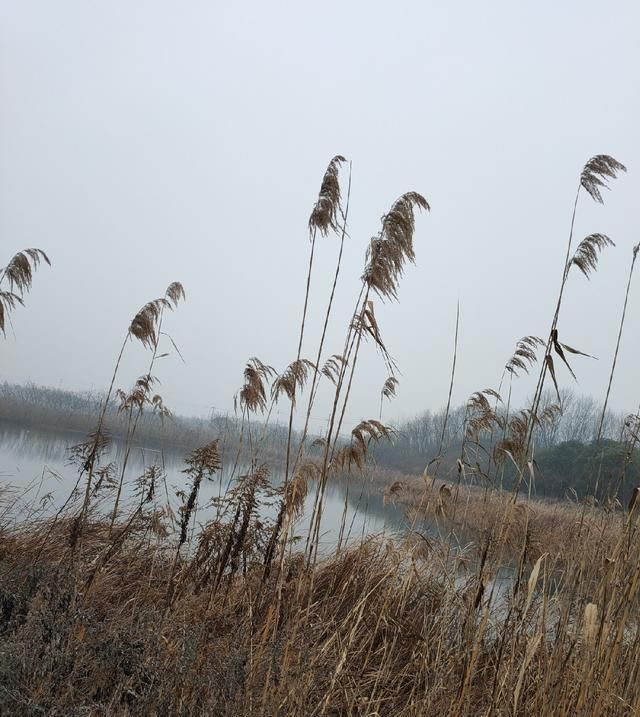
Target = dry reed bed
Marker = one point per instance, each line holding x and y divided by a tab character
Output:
380	629
132	612
468	513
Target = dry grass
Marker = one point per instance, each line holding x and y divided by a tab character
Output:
126	607
381	629
18	275
469	513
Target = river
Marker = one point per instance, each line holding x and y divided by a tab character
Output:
38	461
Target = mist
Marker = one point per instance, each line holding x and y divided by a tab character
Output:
150	142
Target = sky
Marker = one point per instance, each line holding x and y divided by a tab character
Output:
145	142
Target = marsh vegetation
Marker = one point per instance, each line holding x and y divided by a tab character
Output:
125	600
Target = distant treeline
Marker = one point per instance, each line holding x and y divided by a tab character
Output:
423	436
567	457
51	408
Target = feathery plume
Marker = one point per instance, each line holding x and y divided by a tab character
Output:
19	273
525	355
482	416
175	293
596	172
325	213
293	378
202	462
332	367
389	388
586	255
253	395
8	301
145	323
393	247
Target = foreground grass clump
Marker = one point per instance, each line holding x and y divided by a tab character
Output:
384	628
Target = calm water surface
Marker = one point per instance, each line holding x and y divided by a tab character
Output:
39	460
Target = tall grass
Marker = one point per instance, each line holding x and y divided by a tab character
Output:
17	277
126	603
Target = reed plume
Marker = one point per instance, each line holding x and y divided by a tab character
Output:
327	370
586	255
20	269
388	391
333	367
145	327
355	452
594	177
524	357
386	257
293	379
253	394
393	247
481	416
389	388
19	275
596	173
325	214
202	463
323	218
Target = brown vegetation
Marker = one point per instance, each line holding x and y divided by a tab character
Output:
129	625
129	607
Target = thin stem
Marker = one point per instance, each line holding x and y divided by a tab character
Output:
331	443
348	345
448	409
131	429
316	375
543	370
92	456
615	355
302	327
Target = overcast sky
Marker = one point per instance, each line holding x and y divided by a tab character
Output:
147	142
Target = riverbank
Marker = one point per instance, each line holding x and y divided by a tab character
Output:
209	604
125	622
505	523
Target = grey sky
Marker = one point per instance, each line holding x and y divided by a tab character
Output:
146	142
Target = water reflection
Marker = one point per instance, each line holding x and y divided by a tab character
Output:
41	458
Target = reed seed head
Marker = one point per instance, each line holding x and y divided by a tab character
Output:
596	173
326	211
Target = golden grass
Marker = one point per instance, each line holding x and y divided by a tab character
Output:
384	628
469	512
516	608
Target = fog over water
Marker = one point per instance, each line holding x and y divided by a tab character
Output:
146	142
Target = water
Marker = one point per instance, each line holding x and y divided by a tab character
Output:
39	460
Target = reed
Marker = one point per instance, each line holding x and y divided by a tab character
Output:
18	276
595	175
126	602
634	255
